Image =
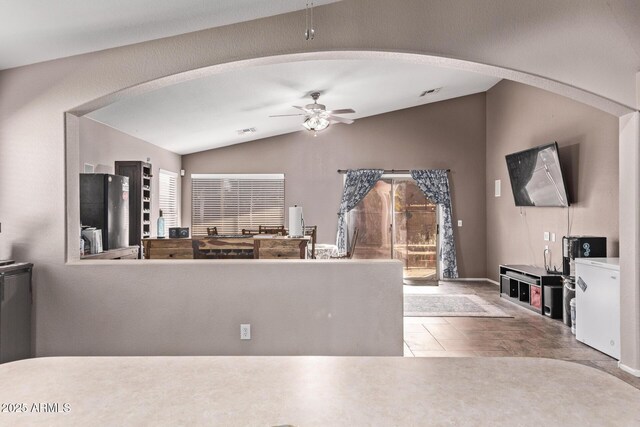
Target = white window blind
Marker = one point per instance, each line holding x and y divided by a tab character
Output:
232	202
168	199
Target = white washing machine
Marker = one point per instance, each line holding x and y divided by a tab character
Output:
598	304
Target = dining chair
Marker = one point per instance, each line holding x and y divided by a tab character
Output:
352	248
312	231
272	229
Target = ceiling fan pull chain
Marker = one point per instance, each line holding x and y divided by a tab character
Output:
313	32
306	21
309	32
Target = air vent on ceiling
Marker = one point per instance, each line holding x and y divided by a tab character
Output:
246	131
430	91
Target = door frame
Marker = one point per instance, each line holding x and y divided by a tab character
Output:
392	177
438	274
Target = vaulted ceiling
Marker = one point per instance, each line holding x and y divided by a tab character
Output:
208	112
595	38
35	31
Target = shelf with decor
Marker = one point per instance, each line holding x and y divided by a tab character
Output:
140	175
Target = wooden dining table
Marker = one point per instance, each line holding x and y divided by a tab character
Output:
263	246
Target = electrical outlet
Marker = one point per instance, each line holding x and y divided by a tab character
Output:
245	331
546	236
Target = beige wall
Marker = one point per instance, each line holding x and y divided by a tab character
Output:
448	134
101	146
195	307
521	117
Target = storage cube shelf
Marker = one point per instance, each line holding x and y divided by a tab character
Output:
139	174
532	288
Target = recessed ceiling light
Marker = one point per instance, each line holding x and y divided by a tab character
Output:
430	91
246	131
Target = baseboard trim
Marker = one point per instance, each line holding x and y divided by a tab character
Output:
471	279
634	372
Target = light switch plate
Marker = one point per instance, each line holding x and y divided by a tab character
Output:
497	189
546	236
459	223
553	237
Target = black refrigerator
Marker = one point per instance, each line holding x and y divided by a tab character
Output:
104	204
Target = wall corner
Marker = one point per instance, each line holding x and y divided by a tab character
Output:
630	240
638	90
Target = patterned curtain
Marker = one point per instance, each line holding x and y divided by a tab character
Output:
435	185
357	184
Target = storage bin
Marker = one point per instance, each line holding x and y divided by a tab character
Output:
504	285
513	288
535	297
524	292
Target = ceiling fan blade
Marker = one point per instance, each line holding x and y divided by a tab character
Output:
343	111
300	108
340	119
287	115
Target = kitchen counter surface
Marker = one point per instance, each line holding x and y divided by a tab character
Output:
308	391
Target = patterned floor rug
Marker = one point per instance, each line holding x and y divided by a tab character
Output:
450	306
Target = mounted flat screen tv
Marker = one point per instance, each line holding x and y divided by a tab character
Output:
536	177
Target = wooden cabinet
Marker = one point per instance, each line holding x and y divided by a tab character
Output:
280	248
130	252
139	174
15	312
168	248
240	247
227	247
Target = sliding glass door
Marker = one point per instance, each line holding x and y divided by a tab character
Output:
396	220
415	231
372	217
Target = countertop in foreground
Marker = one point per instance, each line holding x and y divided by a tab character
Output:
308	391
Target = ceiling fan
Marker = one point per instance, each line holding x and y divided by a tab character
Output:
317	117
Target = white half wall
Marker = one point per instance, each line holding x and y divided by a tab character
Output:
195	307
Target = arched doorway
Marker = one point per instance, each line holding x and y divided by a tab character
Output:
629	155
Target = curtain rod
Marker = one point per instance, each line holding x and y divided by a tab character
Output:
389	170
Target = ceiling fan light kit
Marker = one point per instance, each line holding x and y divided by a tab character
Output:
316	116
316	123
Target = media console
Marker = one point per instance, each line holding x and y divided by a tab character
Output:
532	288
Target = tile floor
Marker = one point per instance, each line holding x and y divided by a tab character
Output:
527	334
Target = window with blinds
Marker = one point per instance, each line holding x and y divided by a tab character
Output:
168	199
232	202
